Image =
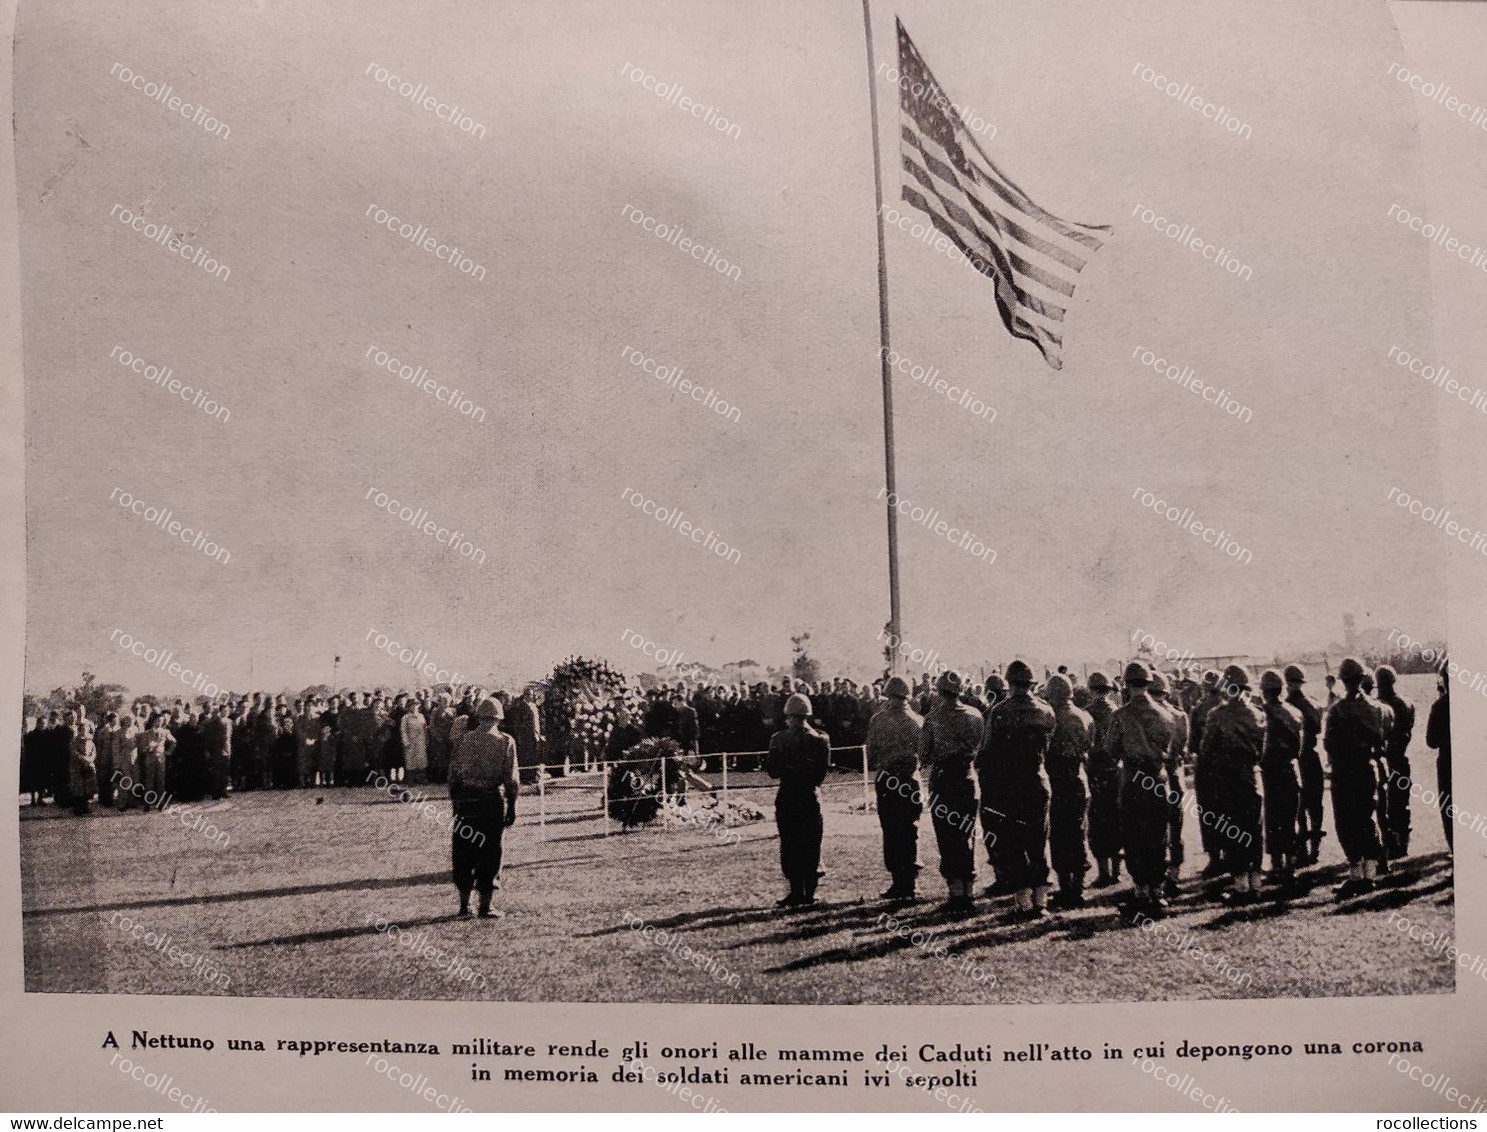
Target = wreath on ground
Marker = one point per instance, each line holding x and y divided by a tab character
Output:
635	784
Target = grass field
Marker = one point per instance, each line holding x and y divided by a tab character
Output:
294	895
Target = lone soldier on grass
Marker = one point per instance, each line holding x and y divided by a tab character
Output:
1354	733
482	789
1309	831
1233	742
947	754
1139	742
1013	750
892	751
1397	763
1280	775
798	758
1104	786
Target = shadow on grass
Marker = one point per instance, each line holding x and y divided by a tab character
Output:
336	933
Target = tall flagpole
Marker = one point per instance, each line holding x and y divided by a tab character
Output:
895	625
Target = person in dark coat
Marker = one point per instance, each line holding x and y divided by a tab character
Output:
216	738
1396	763
482	789
1233	741
190	758
33	760
1438	739
798	759
1353	736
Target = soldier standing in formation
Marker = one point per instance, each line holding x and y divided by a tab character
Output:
798	758
1309	831
1396	764
892	753
1010	764
1203	778
1067	751
1354	733
1104	786
1280	775
947	753
1139	742
1233	741
1438	739
1175	855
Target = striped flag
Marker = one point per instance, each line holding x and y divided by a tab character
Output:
1032	256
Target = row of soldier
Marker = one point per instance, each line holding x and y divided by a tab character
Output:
1052	783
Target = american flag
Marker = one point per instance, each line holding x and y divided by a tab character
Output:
1032	256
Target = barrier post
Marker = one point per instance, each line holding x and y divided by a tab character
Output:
867	792
725	783
604	770
665	813
542	804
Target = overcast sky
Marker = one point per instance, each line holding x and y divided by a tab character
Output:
570	284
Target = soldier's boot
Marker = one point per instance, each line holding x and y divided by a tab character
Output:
1022	903
1103	880
1040	899
485	904
1370	875
1354	883
464	903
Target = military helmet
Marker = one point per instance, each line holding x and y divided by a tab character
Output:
1058	687
950	683
995	683
1098	682
1270	681
897	687
489	709
1211	678
1385	675
1236	679
1137	673
1294	675
1158	683
1019	673
1350	671
797	705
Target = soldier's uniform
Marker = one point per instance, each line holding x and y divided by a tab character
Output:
1015	789
1280	775
1203	778
1309	832
1073	733
947	753
1397	765
1233	741
1139	742
1438	739
798	757
1353	735
1175	855
1104	786
892	753
481	770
